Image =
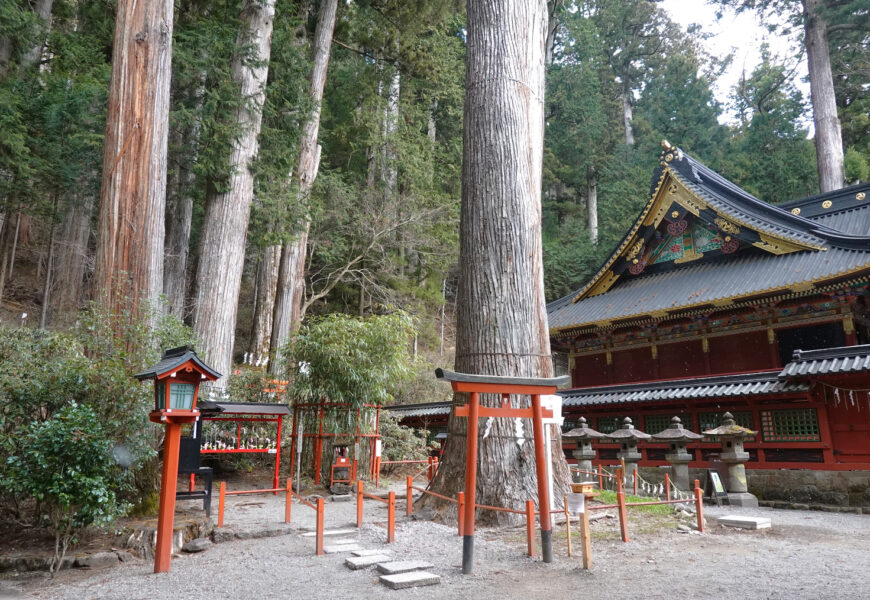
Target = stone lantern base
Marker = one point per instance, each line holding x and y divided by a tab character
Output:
742	499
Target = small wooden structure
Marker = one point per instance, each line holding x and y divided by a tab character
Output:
318	410
242	414
504	386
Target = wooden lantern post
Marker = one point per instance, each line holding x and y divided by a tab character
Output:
503	386
176	384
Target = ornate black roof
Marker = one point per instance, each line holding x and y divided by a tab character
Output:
829	361
721	386
701	240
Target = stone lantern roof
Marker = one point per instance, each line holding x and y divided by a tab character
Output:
729	427
628	432
583	432
676	433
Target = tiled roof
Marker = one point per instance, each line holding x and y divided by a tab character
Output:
830	361
174	358
750	384
425	409
243	408
833	243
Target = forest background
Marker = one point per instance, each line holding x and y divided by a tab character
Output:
370	210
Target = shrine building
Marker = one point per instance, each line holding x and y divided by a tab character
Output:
717	301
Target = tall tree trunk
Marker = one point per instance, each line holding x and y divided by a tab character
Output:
72	259
222	249
49	267
32	56
829	141
627	115
7	231
291	271
592	203
502	321
129	261
264	308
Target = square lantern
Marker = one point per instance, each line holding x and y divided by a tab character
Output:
176	380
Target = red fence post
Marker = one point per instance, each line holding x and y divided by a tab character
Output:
409	485
460	503
319	534
699	507
192	483
623	515
221	497
600	478
359	503
530	526
667	487
287	501
391	518
634	479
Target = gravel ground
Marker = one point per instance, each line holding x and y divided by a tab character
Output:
805	554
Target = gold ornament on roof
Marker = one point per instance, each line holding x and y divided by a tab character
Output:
860	196
795	211
669	157
726	225
635	249
827	204
675	214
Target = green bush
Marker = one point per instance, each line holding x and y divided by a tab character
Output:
66	465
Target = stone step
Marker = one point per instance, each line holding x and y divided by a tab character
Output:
328	532
339	548
412	579
744	522
403	566
363	562
371	553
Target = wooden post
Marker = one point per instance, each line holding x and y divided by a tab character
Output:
168	485
319	528
192	484
667	487
359	503
543	492
276	478
634	480
460	505
409	485
470	482
530	527
586	536
699	507
600	477
288	500
391	518
222	490
623	515
567	523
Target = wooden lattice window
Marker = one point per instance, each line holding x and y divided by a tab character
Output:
790	425
654	424
711	420
611	424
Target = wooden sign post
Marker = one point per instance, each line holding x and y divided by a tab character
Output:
504	386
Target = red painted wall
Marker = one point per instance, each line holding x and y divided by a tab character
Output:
590	370
633	365
742	352
681	359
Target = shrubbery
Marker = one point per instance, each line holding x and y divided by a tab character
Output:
50	381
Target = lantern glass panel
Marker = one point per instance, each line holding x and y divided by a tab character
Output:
181	396
160	396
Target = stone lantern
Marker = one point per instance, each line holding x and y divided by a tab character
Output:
679	457
628	437
732	435
583	435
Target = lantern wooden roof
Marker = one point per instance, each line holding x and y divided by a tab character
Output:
174	360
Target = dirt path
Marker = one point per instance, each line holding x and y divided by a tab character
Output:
811	555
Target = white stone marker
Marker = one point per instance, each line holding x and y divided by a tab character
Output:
414	579
744	522
362	562
403	566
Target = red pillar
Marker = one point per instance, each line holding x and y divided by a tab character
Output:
541	469
166	514
470	483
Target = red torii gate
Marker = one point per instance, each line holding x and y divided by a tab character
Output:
505	386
